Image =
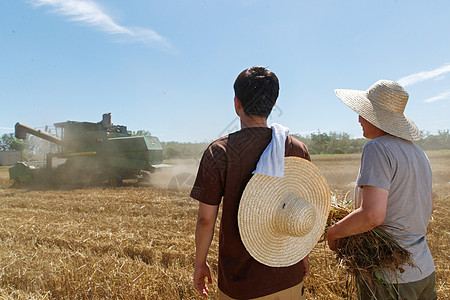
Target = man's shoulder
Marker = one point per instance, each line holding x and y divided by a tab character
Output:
220	141
252	131
390	143
218	144
296	142
295	147
244	136
384	141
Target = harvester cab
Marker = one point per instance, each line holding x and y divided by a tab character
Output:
92	152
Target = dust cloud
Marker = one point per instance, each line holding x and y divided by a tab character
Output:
178	176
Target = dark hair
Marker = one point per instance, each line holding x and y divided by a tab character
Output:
257	88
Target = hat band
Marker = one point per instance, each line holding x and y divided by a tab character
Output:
294	216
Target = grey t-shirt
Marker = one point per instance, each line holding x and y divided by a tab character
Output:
403	169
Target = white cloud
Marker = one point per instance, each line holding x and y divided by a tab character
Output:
444	95
425	75
90	13
6	128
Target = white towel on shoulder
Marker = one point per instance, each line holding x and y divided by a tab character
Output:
271	162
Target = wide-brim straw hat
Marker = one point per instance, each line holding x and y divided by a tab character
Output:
383	105
281	219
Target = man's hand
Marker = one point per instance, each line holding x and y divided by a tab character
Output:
331	239
204	233
305	262
370	214
200	273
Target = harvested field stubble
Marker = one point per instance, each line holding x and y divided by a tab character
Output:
128	243
138	242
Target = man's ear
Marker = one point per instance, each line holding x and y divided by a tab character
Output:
237	103
237	106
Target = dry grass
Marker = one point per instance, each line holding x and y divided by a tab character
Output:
137	242
125	243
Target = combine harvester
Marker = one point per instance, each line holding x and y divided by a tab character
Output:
93	152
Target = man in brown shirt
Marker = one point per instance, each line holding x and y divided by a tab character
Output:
224	171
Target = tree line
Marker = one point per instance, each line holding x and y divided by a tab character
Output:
332	143
317	143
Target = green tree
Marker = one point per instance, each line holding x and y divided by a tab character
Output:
440	141
8	142
319	143
171	153
339	143
183	150
332	143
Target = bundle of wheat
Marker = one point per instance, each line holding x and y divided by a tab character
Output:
368	257
371	255
338	211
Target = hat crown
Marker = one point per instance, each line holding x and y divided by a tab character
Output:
294	216
388	94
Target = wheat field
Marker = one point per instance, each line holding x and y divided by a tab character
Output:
137	241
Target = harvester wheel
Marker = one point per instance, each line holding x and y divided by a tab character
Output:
17	182
115	180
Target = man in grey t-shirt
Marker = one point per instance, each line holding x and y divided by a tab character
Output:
395	187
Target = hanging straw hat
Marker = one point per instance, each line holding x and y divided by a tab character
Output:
383	105
281	218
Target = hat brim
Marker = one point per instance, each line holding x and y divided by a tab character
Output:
262	196
396	124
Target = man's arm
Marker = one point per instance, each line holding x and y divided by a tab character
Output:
204	232
432	203
305	262
370	214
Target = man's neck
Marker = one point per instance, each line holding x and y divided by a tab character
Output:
253	121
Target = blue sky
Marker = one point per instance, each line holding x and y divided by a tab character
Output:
169	66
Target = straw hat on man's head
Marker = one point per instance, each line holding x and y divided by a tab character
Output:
383	105
281	218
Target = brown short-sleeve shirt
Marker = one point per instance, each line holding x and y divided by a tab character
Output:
224	171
